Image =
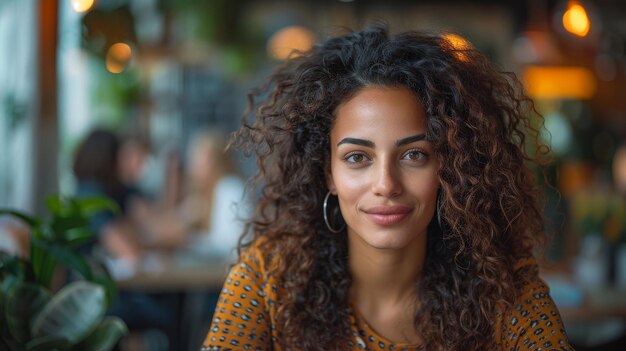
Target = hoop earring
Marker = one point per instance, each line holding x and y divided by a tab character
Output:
324	209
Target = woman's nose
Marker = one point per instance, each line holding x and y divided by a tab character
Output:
387	182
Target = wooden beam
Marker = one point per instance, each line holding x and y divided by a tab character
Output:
46	139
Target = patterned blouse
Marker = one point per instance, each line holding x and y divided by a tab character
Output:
246	311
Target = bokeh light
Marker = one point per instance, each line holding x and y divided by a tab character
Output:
288	41
117	58
576	20
82	5
559	82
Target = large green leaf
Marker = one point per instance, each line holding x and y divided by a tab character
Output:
11	276
47	343
102	276
60	205
66	215
42	232
78	236
7	340
31	221
67	257
73	313
23	303
93	204
11	266
61	225
43	263
70	220
104	337
110	288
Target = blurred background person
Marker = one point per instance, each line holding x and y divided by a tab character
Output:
105	166
153	214
96	165
212	205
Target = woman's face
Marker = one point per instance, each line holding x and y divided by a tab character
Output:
382	169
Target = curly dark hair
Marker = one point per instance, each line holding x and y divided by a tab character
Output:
481	126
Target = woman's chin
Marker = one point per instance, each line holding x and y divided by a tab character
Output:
386	239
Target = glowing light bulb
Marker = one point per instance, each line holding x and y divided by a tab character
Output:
82	5
576	20
117	57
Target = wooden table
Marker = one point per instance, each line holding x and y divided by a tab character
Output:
176	276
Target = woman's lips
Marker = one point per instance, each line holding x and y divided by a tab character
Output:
388	215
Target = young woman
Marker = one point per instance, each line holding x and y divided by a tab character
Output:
397	210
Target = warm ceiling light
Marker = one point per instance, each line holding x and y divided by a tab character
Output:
82	5
117	57
288	41
559	82
576	20
458	43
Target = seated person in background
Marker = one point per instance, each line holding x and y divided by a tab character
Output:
155	217
104	167
213	202
96	168
397	210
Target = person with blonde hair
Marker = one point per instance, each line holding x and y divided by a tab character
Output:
214	198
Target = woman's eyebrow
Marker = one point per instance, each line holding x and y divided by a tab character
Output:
357	141
411	139
371	144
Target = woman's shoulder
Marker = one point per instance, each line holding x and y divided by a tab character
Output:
260	254
533	320
525	267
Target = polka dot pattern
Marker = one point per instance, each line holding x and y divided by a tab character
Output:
245	317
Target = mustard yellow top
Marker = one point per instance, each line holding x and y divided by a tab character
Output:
248	303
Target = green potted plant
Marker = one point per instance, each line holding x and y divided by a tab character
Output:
32	315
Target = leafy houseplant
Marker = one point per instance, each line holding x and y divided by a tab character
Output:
32	316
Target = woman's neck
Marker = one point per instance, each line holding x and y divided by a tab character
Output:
385	279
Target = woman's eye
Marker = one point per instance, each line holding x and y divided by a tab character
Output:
415	155
356	158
